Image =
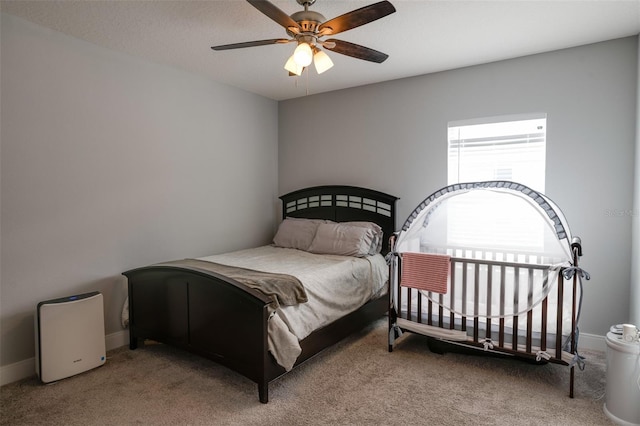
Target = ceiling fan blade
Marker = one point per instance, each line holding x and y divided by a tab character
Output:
274	13
357	17
252	43
357	51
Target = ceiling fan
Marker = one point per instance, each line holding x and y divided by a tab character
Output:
308	28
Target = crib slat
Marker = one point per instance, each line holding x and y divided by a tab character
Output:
559	317
475	328
529	331
530	311
514	334
502	301
516	304
476	300
543	326
399	290
440	311
452	296
488	301
465	268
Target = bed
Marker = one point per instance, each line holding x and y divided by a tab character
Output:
210	307
511	292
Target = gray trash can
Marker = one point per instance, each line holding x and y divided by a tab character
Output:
622	398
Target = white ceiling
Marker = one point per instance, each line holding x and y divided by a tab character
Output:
421	37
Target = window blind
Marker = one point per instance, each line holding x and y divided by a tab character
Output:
509	148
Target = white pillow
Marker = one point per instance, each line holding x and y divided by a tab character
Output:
296	233
342	239
376	246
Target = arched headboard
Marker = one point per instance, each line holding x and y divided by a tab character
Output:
341	203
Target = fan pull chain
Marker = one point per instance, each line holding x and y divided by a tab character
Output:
305	75
307	91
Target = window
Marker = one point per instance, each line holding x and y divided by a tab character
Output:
501	148
509	148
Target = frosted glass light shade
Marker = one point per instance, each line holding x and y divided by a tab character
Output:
322	61
292	67
303	55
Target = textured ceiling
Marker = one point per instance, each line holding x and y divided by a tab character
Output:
421	37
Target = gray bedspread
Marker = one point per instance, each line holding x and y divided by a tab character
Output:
283	289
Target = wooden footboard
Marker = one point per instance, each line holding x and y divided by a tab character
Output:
223	320
204	313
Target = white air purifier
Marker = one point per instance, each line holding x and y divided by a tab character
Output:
69	334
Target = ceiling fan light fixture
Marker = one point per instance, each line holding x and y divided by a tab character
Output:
293	67
322	61
303	55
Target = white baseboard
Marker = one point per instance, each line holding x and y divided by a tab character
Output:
592	342
27	368
115	340
17	371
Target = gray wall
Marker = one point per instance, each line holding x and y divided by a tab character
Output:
634	300
393	137
109	163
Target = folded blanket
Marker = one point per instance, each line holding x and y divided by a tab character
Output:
283	289
425	271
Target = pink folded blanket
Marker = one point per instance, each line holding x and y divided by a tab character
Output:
425	271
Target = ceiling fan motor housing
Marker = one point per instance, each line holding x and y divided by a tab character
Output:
308	21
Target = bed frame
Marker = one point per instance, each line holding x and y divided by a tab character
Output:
490	335
223	320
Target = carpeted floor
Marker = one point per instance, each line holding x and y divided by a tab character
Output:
356	382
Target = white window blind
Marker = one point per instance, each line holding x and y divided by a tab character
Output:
511	148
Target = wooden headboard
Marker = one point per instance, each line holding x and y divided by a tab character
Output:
343	204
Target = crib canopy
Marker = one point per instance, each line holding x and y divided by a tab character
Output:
496	221
493	215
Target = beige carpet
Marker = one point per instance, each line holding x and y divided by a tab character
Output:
357	382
